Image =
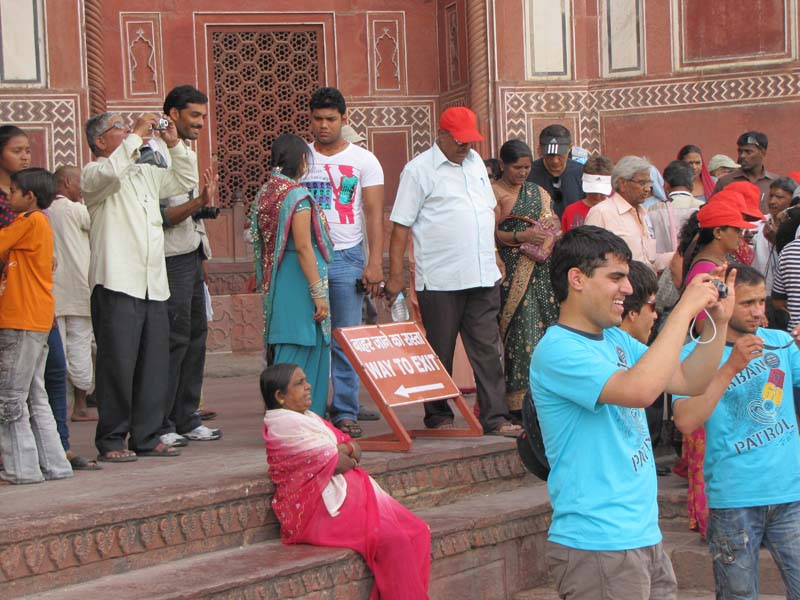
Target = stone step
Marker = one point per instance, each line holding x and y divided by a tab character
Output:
548	593
486	546
135	520
693	570
693	566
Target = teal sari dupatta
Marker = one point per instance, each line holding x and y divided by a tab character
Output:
271	227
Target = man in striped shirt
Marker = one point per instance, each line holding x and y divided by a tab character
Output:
786	287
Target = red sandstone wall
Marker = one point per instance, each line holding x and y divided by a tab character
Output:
709	73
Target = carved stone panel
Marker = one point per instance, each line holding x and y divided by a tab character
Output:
387	53
142	55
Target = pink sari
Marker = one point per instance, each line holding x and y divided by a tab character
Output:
350	510
694	445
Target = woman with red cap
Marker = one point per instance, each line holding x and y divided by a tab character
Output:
709	239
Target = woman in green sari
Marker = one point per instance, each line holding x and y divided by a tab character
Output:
292	251
527	305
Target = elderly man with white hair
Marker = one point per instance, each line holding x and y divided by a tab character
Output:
623	214
128	279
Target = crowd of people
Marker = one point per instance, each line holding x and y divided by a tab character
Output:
574	284
103	294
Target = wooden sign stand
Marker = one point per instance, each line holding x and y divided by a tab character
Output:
401	345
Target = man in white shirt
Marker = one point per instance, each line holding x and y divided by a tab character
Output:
445	200
186	246
70	222
347	182
128	278
623	214
668	217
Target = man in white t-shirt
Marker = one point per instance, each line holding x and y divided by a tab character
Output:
347	182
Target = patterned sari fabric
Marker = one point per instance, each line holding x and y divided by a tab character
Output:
350	510
694	444
271	227
527	305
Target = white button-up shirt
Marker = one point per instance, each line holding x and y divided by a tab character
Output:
126	237
450	210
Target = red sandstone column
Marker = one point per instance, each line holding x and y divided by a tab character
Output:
478	55
94	56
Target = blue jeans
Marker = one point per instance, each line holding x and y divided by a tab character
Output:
735	536
55	383
346	267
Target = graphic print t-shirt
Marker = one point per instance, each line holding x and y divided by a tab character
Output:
752	446
602	480
336	183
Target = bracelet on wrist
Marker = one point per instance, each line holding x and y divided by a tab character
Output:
514	237
318	289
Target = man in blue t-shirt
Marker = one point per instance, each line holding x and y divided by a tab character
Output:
752	462
590	382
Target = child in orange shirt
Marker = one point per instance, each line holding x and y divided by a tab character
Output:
29	441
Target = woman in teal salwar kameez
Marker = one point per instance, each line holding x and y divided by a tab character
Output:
292	250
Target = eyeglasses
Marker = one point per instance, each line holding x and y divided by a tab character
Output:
642	182
456	141
118	125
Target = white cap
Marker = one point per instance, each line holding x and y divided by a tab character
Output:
597	184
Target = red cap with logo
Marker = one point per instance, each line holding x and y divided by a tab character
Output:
724	210
461	123
751	198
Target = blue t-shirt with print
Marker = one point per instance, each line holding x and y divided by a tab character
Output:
752	446
602	479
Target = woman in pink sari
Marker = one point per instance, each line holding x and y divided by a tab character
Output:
708	240
323	498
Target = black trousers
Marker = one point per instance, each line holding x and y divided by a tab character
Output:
132	368
188	328
473	314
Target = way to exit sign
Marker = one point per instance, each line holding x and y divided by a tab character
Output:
397	359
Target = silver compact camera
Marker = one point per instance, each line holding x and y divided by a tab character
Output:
162	124
722	289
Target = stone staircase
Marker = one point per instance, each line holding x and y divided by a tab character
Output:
689	554
488	520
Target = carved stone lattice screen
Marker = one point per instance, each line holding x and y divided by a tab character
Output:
263	79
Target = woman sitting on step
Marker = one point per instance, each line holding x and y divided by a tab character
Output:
322	497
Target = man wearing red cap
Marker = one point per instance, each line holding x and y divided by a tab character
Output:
445	201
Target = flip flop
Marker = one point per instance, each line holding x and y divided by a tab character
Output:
506	430
368	415
81	463
122	458
160	451
206	415
350	428
81	415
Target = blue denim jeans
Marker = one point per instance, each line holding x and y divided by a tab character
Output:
346	267
735	536
55	383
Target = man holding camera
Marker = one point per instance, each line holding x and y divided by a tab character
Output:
185	247
128	278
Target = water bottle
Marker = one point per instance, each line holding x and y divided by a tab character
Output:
399	309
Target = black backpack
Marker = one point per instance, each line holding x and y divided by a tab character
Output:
530	444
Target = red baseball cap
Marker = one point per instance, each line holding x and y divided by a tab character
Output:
751	197
795	175
461	123
724	210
